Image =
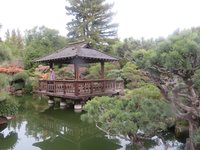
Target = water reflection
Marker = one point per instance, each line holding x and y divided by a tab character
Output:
52	128
38	127
7	141
64	130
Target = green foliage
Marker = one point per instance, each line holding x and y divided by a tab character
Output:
30	85
5	53
133	76
181	122
127	117
3	96
94	71
8	106
174	67
4	81
196	136
129	45
63	74
91	21
40	41
115	74
196	80
148	90
14	41
179	52
143	58
20	76
106	111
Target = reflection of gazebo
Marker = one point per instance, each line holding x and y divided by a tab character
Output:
63	144
68	132
79	89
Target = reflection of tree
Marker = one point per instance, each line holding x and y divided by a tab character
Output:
3	126
148	143
53	123
169	140
166	139
74	131
28	107
8	141
28	111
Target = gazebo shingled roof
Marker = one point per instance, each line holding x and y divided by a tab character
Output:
79	51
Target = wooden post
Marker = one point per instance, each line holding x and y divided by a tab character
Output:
76	74
102	70
76	88
91	87
102	76
51	65
64	88
54	86
76	71
40	85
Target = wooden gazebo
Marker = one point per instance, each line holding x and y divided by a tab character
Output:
79	89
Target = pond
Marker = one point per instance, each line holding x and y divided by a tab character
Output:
38	127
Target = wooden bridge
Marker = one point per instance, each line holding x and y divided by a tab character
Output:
80	89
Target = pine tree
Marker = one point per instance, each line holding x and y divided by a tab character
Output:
91	20
14	41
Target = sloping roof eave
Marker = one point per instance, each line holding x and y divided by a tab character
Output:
72	52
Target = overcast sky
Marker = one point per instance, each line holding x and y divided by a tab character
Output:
136	18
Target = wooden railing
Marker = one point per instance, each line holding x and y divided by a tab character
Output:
80	87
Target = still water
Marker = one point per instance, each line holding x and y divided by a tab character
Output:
38	127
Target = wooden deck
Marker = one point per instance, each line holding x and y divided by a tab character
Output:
80	89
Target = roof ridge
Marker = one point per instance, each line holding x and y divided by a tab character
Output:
105	53
78	48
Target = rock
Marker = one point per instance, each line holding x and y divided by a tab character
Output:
19	92
3	120
181	131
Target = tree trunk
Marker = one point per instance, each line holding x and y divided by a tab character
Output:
141	145
165	144
190	145
138	142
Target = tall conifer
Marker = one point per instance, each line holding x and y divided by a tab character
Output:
91	20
